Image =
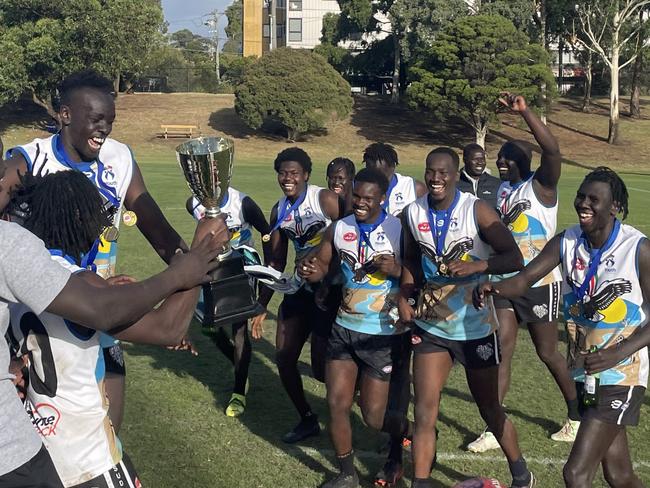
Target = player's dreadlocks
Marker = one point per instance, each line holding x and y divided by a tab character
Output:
616	185
379	151
345	163
64	209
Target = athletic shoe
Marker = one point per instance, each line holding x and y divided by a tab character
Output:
389	475
485	442
531	484
236	405
568	432
307	427
343	481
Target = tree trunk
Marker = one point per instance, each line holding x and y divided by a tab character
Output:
45	104
394	93
586	101
481	132
543	40
635	102
612	137
116	83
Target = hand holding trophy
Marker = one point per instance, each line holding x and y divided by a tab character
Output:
207	164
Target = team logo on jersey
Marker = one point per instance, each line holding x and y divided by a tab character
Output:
424	227
399	197
380	237
229	219
387	369
604	303
109	176
416	339
45	417
485	351
609	263
350	237
540	310
308	212
453	224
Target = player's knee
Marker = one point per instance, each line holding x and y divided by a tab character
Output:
494	417
285	360
619	478
426	413
373	416
546	354
573	475
339	404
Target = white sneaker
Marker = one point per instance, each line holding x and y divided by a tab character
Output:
485	442
568	431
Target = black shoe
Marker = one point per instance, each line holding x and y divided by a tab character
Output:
343	481
307	427
389	475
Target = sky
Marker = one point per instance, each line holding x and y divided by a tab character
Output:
191	14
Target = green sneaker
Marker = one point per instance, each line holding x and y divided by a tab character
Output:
236	405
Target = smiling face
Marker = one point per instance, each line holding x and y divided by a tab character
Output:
513	162
440	177
475	163
367	199
292	179
595	206
87	121
339	181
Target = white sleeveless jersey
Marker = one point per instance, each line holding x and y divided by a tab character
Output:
369	302
306	224
613	307
240	230
401	195
66	398
531	222
456	317
46	156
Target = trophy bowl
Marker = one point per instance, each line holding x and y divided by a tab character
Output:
207	164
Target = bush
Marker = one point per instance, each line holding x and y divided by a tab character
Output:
295	89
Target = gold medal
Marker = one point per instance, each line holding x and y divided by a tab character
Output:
443	269
266	237
110	233
129	218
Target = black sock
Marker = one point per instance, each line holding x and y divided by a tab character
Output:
572	409
395	450
346	463
519	471
421	483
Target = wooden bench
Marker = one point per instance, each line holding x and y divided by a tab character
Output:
179	130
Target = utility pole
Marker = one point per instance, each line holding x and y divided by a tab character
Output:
213	24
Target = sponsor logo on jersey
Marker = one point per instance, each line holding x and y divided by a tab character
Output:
108	176
580	264
416	339
387	369
45	417
350	237
424	227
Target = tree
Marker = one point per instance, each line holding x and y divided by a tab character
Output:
608	26
234	30
295	89
470	63
58	37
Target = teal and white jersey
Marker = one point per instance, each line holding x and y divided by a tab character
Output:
531	222
306	224
401	192
612	307
369	302
240	230
451	313
66	398
111	173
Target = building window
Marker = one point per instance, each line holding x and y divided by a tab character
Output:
266	30
295	30
295	5
280	4
280	28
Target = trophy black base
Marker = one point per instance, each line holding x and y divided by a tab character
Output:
229	297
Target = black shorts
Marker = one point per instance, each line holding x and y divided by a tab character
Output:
540	304
374	354
620	405
38	472
473	354
122	475
114	359
302	304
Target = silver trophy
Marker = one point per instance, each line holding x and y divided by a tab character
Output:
207	164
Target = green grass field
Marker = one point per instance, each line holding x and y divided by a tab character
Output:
175	430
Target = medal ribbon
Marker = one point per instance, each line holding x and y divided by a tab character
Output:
594	259
391	187
87	260
287	210
439	232
365	230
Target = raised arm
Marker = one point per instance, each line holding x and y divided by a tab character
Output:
151	221
606	358
548	173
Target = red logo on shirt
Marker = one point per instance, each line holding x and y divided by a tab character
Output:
424	227
580	264
349	237
45	418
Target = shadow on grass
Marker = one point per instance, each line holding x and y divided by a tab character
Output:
577	131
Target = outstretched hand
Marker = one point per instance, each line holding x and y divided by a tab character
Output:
481	292
515	103
257	325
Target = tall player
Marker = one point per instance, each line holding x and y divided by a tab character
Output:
364	337
300	216
603	264
242	215
528	202
65	396
452	240
340	176
87	112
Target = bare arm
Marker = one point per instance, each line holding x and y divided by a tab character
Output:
315	266
10	177
329	202
253	214
151	221
606	358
